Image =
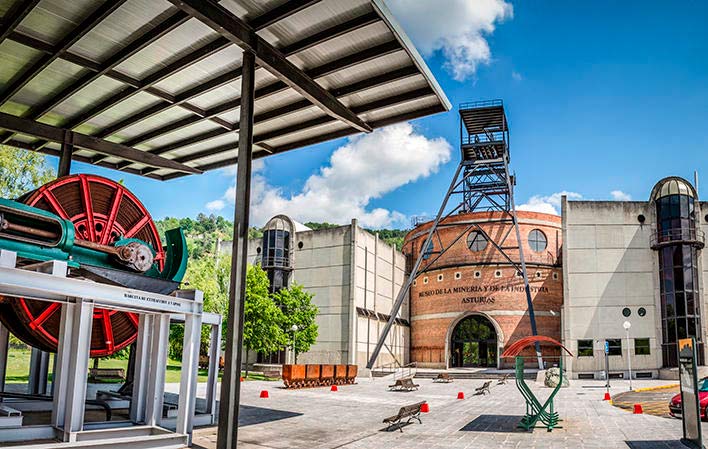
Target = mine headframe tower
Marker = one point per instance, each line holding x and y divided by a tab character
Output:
482	182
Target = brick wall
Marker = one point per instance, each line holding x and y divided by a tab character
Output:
463	282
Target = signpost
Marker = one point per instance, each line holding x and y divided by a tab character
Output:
688	376
607	365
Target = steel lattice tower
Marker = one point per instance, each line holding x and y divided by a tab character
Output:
482	182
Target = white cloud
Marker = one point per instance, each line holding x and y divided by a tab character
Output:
516	76
365	168
548	204
618	195
215	205
457	28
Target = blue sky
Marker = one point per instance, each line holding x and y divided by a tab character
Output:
601	96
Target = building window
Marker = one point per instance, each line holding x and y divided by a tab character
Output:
641	346
476	241
584	348
555	276
615	346
458	275
477	274
537	240
440	278
415	282
498	274
425	280
427	252
538	274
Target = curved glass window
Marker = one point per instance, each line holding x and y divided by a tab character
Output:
476	241
537	240
474	343
678	274
276	248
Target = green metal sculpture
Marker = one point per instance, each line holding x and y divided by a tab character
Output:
535	410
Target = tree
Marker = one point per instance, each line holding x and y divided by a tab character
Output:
22	171
297	308
210	275
262	330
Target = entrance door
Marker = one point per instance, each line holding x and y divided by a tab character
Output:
474	343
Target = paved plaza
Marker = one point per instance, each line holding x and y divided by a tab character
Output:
352	418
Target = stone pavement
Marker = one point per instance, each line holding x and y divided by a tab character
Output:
351	418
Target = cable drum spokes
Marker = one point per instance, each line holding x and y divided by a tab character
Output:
103	212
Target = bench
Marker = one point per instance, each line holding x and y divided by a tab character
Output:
443	377
404	384
484	389
409	411
503	379
273	374
106	374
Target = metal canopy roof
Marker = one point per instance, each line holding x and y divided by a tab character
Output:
151	87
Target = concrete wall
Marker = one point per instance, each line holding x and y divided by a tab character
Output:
323	262
378	279
608	265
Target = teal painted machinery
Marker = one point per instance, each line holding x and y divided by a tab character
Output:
105	234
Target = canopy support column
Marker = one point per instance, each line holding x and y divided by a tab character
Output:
67	149
231	381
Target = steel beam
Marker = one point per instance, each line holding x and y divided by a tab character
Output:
141	376
188	378
39	372
263	116
4	346
13	16
226	78
150	36
318	139
212	372
67	150
21	79
76	368
155	393
403	293
230	383
237	31
48	132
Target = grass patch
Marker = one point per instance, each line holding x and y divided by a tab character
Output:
18	367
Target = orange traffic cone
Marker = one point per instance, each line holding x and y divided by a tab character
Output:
264	394
460	395
638	409
607	397
424	408
334	388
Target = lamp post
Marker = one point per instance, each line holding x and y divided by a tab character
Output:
294	329
626	326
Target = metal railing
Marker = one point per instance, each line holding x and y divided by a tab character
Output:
277	262
480	104
689	236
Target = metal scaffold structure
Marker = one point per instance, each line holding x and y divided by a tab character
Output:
482	183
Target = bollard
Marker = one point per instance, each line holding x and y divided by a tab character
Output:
424	408
638	409
264	394
334	388
607	397
460	395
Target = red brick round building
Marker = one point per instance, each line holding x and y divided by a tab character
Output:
470	303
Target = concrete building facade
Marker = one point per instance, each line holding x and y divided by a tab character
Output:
639	262
470	303
354	277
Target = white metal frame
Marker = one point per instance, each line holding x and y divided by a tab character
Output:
79	297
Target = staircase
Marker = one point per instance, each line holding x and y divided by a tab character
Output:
471	374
